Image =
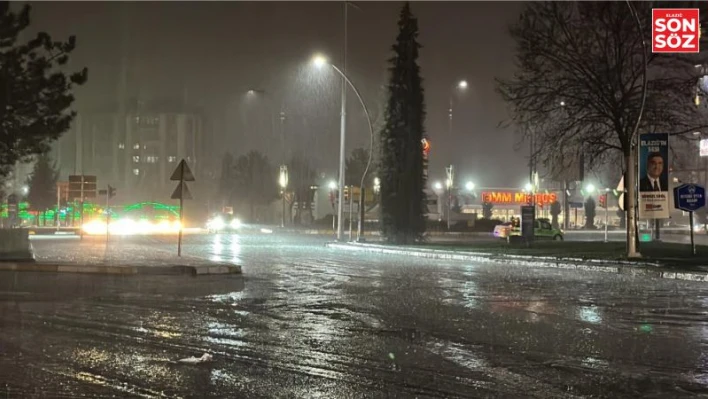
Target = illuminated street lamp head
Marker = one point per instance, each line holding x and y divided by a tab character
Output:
25	190
438	185
462	84
528	187
469	186
562	103
283	178
319	60
590	188
332	185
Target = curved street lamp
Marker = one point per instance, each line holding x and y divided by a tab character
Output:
320	61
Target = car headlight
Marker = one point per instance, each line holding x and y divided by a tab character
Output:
235	224
217	224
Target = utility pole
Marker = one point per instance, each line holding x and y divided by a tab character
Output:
450	171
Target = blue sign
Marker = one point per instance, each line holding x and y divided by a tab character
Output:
689	197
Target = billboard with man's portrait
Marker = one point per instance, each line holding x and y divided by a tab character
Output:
654	176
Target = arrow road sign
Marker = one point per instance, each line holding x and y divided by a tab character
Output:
181	192
182	173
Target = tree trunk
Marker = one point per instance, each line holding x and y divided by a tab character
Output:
566	206
631	200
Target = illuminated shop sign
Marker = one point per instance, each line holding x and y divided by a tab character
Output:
505	197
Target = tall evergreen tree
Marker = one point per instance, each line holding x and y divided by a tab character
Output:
42	185
35	95
403	199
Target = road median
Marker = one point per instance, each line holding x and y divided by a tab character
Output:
167	270
652	267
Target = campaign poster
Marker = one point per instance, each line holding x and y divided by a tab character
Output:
654	176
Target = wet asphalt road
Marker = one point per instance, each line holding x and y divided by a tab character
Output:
305	321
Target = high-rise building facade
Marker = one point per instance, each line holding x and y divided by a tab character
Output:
135	152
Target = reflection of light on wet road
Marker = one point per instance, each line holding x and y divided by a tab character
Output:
589	314
159	325
226	247
235	247
231	297
225	334
216	248
469	290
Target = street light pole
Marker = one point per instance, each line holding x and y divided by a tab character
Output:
460	86
283	182
320	61
342	137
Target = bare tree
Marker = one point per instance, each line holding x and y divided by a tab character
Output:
302	178
255	182
580	81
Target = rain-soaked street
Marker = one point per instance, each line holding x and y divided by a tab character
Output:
305	321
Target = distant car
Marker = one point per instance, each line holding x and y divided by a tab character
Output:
223	222
543	230
502	230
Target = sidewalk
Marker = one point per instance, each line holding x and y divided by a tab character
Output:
678	268
376	233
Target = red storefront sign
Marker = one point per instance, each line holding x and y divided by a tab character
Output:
512	198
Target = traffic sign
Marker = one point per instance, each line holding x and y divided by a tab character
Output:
182	172
181	192
82	186
689	197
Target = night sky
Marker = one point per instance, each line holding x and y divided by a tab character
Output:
211	53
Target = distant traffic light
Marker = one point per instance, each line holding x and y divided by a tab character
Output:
346	193
603	201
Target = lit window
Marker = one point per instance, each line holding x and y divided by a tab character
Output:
136	146
151	159
171	159
136	158
121	146
136	172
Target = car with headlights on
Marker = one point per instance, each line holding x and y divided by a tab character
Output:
222	222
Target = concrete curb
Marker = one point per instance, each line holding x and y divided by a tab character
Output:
644	269
121	270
